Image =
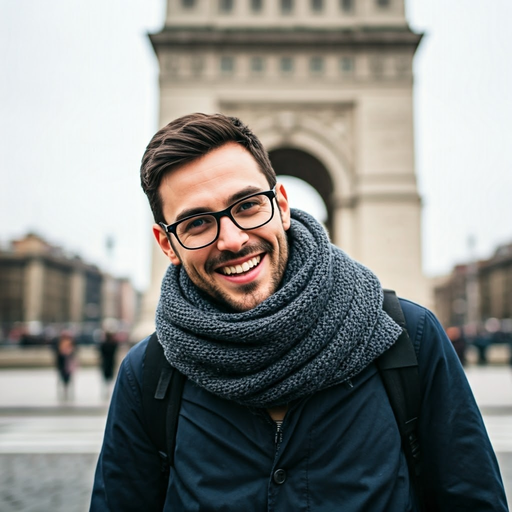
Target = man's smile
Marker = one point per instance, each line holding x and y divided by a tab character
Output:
240	268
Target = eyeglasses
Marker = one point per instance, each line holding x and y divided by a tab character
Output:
202	229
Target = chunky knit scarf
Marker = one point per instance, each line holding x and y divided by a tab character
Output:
322	327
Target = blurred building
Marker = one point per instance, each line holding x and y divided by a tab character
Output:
43	289
327	86
478	292
120	305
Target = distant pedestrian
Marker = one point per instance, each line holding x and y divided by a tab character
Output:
456	336
66	363
108	349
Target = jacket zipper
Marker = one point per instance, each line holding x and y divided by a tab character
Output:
279	434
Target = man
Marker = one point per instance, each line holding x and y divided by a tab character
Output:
277	332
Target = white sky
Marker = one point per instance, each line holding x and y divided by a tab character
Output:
79	103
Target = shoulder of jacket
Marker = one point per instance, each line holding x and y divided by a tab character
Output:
138	351
421	322
134	359
413	312
416	316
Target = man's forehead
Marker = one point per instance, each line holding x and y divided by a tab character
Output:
226	162
229	154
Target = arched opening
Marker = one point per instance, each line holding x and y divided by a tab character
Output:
299	164
303	196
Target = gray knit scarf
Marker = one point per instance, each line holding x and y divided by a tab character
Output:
322	327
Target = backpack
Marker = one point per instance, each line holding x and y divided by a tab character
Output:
162	388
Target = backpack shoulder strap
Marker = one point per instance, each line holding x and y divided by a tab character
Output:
398	367
162	387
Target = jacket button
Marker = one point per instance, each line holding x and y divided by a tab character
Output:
279	476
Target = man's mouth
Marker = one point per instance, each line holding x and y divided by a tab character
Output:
241	269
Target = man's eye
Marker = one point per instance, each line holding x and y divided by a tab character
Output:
251	206
247	205
197	224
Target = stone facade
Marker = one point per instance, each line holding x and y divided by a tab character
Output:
476	292
327	86
43	289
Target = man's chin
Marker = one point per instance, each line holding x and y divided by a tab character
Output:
246	297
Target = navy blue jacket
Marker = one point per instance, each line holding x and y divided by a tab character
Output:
338	449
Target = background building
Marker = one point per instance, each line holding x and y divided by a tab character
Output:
43	290
327	86
478	294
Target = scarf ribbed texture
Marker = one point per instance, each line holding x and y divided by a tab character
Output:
322	327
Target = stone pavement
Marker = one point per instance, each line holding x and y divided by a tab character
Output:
37	388
46	482
48	450
492	387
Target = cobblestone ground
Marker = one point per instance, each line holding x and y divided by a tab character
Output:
505	462
46	482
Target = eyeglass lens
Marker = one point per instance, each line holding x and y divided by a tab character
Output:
202	230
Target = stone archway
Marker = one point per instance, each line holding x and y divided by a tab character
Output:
299	164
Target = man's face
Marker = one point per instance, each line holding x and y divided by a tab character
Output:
212	183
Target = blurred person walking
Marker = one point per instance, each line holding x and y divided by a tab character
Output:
66	363
108	350
456	336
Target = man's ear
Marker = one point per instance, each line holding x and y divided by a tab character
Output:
284	206
164	243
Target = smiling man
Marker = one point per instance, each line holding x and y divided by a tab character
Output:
240	267
278	335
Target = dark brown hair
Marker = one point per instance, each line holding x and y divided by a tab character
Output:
188	138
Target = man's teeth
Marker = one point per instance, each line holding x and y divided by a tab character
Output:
244	267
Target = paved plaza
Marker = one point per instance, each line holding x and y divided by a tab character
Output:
48	449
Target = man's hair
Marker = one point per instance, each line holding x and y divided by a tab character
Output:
188	138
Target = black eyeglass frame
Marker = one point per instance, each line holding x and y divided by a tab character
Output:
171	228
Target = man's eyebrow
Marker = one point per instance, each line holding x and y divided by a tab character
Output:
247	191
188	212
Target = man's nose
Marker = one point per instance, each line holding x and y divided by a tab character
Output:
231	237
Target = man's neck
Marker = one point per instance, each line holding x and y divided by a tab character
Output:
278	413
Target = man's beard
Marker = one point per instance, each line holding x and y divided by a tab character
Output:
248	289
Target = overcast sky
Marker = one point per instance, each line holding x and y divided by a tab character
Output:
79	102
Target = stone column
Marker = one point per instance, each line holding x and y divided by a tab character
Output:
77	296
34	290
146	324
